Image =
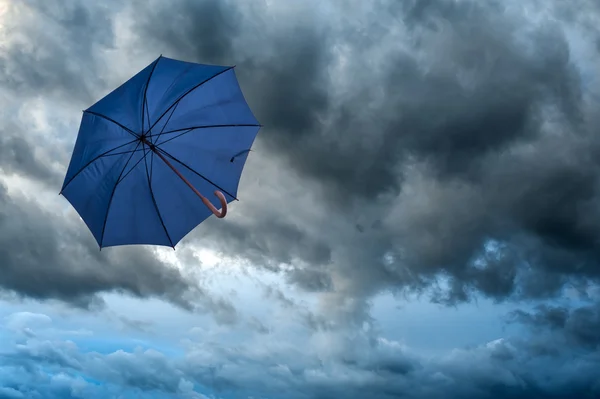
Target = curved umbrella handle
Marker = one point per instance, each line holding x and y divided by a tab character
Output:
220	214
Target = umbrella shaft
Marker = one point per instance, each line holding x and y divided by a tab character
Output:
205	200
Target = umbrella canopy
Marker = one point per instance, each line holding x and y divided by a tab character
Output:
159	154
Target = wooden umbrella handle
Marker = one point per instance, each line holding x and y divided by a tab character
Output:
220	214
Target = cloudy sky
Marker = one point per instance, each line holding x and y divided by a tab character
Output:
419	217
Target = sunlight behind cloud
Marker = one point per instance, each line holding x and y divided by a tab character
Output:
4	8
21	186
202	258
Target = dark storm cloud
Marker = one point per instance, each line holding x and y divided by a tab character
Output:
284	68
17	156
53	48
579	326
205	26
283	243
310	279
55	53
43	257
447	125
448	147
455	134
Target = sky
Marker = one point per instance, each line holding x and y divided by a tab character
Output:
419	216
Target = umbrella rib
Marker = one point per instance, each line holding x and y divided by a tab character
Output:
133	167
151	164
174	108
112	194
128	130
107	153
188	92
147	113
165	125
183	129
162	222
122	152
193	171
220	214
173	138
145	99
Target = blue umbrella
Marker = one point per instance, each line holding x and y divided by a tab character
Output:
174	133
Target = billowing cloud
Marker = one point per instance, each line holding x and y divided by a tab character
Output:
579	326
55	47
448	138
45	254
39	262
333	364
398	155
443	147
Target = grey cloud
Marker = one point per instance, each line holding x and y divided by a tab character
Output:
43	256
436	126
283	70
271	241
57	55
137	325
348	364
448	142
437	147
311	280
258	326
17	156
207	27
311	320
271	292
147	370
54	48
222	310
579	326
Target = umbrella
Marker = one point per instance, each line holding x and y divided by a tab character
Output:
150	155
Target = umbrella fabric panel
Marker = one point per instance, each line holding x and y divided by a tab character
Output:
151	205
179	206
133	216
91	190
124	104
100	153
172	80
97	137
218	101
209	151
